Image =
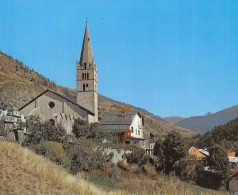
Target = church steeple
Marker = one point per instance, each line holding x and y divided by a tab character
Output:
86	57
87	95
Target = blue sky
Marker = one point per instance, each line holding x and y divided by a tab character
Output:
169	57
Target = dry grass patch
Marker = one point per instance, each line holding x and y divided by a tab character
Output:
24	172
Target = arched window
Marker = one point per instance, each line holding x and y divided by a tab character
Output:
85	66
85	87
52	122
132	130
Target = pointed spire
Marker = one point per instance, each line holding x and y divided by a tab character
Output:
86	52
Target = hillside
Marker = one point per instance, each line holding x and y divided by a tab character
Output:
208	121
173	119
19	84
24	172
225	135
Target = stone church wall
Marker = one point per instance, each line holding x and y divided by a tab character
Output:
61	106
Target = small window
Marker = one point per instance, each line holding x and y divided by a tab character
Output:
82	76
85	87
85	66
87	76
132	129
88	39
51	104
52	122
138	132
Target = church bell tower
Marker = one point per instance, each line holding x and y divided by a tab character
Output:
87	95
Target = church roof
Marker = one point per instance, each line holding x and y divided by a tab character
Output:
118	121
86	52
90	112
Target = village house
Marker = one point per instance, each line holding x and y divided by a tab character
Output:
202	155
14	123
129	125
149	142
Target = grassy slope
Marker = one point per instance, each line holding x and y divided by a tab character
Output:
19	84
24	172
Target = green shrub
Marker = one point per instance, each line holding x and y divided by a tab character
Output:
43	132
189	169
54	151
3	132
82	128
84	155
138	157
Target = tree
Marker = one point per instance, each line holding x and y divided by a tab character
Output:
218	161
158	152
85	156
174	149
44	131
189	169
81	128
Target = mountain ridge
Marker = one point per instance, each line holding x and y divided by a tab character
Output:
202	124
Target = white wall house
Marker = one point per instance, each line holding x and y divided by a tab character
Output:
136	127
129	125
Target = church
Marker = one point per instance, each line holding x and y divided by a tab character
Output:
52	106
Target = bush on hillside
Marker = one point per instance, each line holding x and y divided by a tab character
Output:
3	106
189	169
84	155
2	128
82	129
54	151
137	157
43	131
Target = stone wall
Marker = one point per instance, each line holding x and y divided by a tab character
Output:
117	154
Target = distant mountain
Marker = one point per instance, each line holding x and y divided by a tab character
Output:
19	84
208	121
173	119
207	114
